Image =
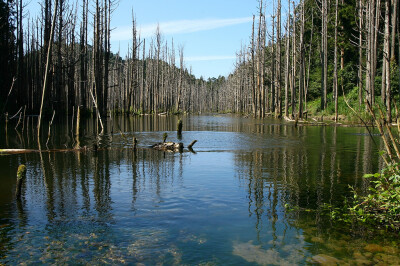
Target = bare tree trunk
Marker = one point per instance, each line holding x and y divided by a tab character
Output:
107	52
253	70
278	111
374	62
180	85
394	27
335	68
309	60
273	84
302	61
373	17
386	90
98	62
133	83
263	53
287	54
360	51
21	66
58	94
83	56
259	61
294	64
324	54
369	27
144	70
47	66
158	69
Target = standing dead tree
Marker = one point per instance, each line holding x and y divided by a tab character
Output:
47	66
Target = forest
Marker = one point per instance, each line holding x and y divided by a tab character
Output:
51	55
307	56
322	54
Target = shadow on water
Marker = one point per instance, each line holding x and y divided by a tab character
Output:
225	204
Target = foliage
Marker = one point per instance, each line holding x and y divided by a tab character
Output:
394	77
380	208
314	107
382	204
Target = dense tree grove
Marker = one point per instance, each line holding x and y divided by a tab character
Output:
328	48
81	69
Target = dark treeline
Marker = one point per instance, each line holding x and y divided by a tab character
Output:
321	50
82	70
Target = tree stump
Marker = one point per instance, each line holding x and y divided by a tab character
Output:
21	175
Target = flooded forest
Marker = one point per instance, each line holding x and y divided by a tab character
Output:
278	148
309	51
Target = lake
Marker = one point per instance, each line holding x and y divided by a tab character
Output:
225	203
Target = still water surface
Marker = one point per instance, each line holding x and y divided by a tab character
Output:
223	204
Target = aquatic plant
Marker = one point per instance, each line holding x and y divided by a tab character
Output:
381	206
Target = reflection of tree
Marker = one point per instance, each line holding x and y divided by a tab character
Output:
135	177
102	185
48	181
73	186
314	171
82	163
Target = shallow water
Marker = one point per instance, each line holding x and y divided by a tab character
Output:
223	204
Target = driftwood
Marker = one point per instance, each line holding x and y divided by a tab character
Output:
191	144
165	146
168	146
172	146
20	151
15	151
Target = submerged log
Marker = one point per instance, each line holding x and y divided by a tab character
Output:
165	146
168	146
173	146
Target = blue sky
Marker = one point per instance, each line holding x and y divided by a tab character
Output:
211	31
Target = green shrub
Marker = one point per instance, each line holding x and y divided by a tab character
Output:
382	204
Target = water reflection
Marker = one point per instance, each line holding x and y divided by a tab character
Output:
224	204
73	197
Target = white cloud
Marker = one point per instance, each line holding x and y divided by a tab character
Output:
177	27
208	58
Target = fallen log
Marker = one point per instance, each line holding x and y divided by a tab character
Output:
168	146
15	151
21	151
191	144
165	146
172	146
